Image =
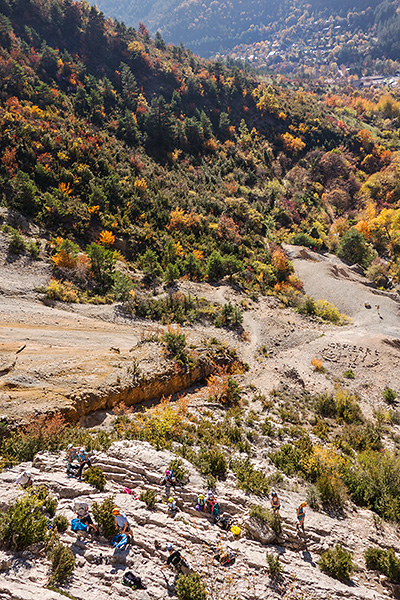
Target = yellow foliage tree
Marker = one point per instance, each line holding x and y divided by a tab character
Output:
106	238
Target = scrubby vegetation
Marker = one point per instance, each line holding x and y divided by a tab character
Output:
190	587
272	519
337	562
249	478
274	566
95	476
62	563
103	515
149	497
383	561
25	521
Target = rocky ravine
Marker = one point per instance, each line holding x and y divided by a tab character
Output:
138	466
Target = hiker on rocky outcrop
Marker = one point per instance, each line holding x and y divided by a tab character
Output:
122	523
176	560
172	507
201	501
84	459
211	505
301	515
81	510
72	454
169	478
275	502
24	480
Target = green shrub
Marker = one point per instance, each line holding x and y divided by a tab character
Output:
374	482
250	479
17	243
175	342
33	249
212	462
362	437
272	519
331	491
190	587
290	457
313	500
337	562
61	523
64	291
62	563
49	502
25	522
149	497
232	393
343	406
389	395
325	405
274	566
354	249
303	239
103	516
178	468
349	374
347	407
384	561
95	476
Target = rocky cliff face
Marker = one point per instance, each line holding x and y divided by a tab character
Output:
137	465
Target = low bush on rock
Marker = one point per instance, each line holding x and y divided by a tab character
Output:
337	562
249	478
95	476
384	561
342	406
104	517
274	566
149	497
272	519
374	482
190	587
61	523
389	395
25	521
212	462
62	563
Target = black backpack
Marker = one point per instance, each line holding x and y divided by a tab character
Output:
132	581
223	522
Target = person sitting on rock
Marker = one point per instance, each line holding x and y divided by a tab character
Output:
122	523
211	505
72	454
301	515
176	560
24	480
82	512
200	503
169	478
84	459
172	507
275	502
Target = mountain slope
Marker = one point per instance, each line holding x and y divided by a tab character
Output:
213	26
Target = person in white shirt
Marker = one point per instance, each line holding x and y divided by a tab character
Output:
24	480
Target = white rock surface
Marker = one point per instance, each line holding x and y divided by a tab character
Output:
139	466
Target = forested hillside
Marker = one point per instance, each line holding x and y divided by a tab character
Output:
131	150
351	31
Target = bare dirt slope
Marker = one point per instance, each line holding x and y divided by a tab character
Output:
52	353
